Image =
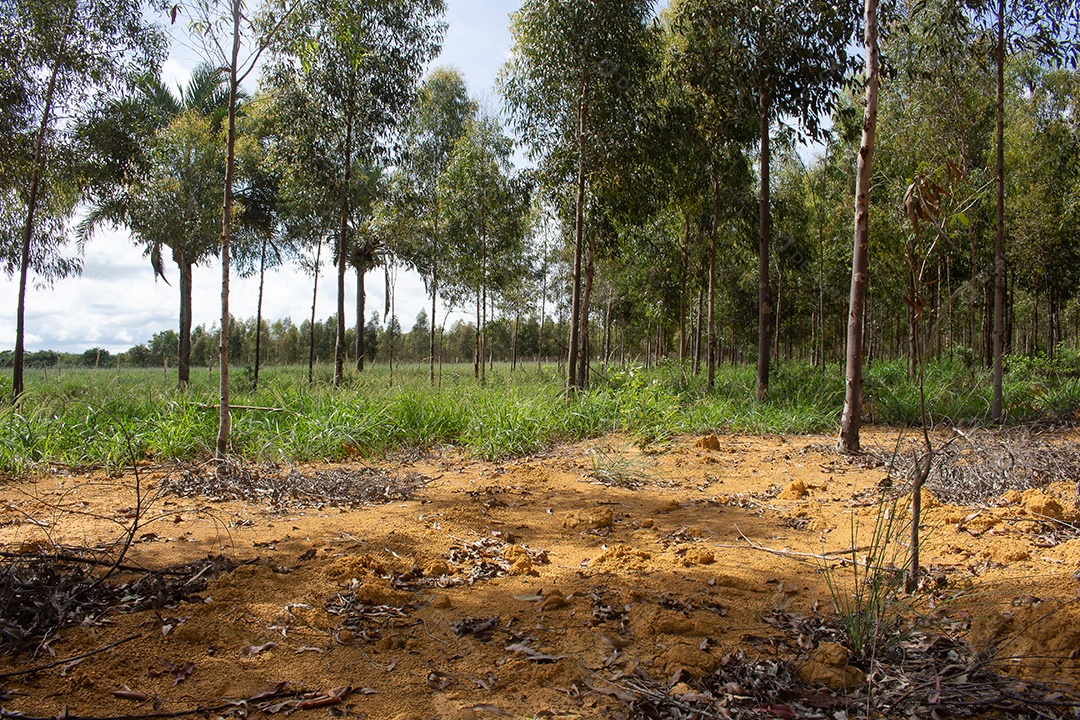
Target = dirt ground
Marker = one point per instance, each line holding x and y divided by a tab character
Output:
528	588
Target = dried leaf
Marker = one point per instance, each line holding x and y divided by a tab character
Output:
269	693
438	680
129	694
183	672
256	649
534	655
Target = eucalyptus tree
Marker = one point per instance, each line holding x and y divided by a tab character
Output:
234	37
62	59
776	59
261	165
168	197
438	119
356	62
1051	29
1043	143
484	209
569	87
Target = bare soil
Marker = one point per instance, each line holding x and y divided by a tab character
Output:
546	586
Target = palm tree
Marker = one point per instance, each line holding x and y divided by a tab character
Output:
169	201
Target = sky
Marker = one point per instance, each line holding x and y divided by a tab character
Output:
117	303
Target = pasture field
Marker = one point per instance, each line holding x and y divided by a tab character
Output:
83	417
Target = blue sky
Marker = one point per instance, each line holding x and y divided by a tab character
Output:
117	303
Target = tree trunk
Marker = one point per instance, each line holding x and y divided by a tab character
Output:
342	260
710	337
17	384
183	352
912	348
579	238
224	416
311	329
697	332
258	317
852	417
999	243
431	331
361	301
682	292
764	238
477	358
586	301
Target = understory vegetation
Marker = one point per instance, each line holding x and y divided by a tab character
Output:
85	417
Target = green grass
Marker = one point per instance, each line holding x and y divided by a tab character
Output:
87	417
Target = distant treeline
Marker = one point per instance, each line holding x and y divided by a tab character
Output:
285	343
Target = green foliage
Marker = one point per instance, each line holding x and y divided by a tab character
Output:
78	416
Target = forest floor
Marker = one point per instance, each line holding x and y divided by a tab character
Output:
595	580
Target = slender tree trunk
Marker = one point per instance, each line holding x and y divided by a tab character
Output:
361	301
821	265
607	327
586	301
38	169
311	329
764	239
258	316
434	290
778	315
477	358
851	421
912	340
999	244
342	260
224	416
579	241
183	352
682	292
710	337
431	332
697	332
540	339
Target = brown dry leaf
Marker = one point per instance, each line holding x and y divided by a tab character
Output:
614	692
183	672
534	655
129	694
256	649
269	693
438	680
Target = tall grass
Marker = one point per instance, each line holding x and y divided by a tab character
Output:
86	417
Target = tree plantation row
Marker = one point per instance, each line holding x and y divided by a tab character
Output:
666	211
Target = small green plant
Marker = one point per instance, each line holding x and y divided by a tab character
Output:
613	467
870	612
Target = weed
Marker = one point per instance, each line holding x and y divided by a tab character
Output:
870	613
614	467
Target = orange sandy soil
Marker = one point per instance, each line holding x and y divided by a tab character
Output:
670	551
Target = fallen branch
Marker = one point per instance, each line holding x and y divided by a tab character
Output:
831	555
65	661
12	715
